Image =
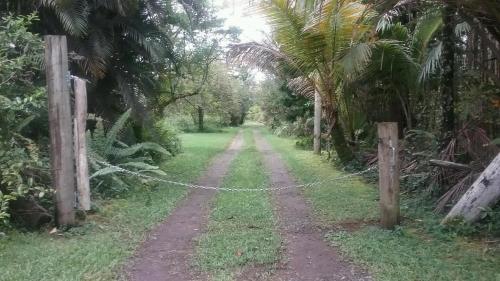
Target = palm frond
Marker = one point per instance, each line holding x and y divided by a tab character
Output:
71	14
356	58
263	56
152	48
302	86
94	53
396	32
289	33
426	29
384	23
431	63
462	28
392	59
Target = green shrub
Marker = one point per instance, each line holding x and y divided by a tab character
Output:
304	142
168	137
24	170
23	173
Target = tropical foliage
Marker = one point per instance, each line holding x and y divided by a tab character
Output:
418	63
23	164
318	46
109	155
156	67
139	60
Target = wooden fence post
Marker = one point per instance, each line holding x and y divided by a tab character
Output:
80	122
61	137
317	123
388	167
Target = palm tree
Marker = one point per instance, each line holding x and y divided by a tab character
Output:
122	46
318	44
463	30
402	62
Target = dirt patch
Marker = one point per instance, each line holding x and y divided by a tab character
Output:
307	256
166	254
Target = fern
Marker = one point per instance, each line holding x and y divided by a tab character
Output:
111	136
105	171
105	147
138	165
145	146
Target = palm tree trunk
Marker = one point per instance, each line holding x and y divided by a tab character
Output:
447	82
344	152
201	115
340	144
317	123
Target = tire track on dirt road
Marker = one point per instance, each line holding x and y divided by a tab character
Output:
307	256
166	254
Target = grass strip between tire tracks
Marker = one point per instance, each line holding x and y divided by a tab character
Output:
242	229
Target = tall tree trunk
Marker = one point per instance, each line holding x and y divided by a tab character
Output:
317	123
201	115
484	193
448	68
343	151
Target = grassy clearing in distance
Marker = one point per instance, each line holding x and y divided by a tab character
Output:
242	228
96	250
409	253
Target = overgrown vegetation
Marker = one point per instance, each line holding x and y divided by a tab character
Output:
426	65
143	74
106	149
24	163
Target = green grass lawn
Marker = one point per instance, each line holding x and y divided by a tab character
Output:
412	252
242	228
96	250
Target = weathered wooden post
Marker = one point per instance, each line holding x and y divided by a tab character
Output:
61	137
388	169
317	123
80	122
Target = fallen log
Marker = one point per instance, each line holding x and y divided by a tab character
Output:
484	193
448	164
